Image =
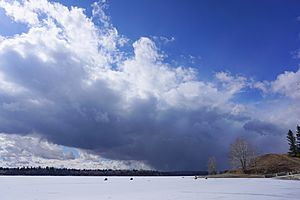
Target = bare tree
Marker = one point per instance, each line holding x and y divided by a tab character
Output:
242	153
212	165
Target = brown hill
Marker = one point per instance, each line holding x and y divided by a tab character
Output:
275	163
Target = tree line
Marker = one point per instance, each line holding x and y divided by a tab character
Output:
51	171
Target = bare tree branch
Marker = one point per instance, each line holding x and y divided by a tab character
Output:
212	165
241	154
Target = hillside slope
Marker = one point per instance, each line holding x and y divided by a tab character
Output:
275	163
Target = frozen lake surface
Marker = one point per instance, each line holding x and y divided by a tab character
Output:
145	188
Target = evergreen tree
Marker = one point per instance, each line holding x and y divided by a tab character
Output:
292	142
298	140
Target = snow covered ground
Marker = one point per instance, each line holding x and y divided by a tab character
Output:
145	188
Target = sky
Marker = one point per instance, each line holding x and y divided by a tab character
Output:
145	84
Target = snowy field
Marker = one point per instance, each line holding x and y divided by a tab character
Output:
145	188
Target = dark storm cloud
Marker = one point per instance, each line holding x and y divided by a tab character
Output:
263	128
176	139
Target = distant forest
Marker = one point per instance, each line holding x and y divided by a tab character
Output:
51	171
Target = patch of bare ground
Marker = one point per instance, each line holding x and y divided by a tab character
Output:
275	163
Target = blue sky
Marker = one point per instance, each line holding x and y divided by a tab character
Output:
254	38
155	85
